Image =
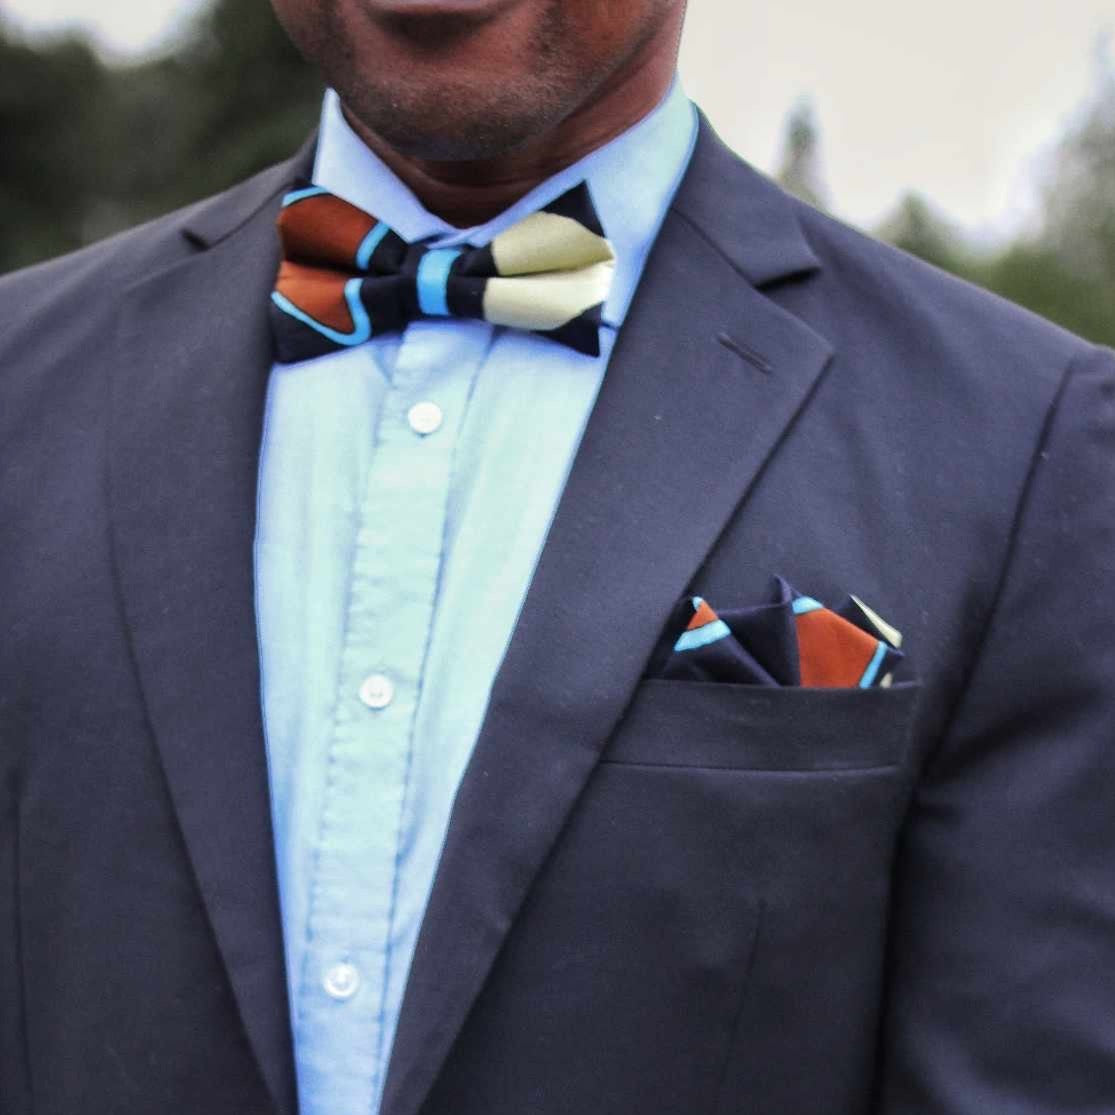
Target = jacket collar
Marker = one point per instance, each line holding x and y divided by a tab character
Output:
743	215
213	220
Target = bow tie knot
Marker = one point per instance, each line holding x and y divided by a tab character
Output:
346	276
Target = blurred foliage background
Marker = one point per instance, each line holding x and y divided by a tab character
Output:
87	148
1062	268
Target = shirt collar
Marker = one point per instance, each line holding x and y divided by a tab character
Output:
632	180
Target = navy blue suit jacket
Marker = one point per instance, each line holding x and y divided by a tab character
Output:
655	897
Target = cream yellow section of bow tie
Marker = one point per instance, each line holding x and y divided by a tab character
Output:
548	242
549	268
547	300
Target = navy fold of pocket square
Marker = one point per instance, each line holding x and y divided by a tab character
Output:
793	640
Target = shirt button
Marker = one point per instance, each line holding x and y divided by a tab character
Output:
377	691
341	981
425	418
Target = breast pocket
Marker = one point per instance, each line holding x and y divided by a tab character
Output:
732	838
715	726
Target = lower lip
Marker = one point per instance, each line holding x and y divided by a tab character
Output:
434	8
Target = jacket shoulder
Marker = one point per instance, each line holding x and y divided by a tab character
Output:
92	278
936	316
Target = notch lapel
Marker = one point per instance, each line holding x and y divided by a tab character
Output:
706	376
188	396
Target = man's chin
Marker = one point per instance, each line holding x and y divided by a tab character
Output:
497	86
431	133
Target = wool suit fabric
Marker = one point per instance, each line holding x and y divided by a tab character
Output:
655	895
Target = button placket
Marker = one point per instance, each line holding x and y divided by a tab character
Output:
392	593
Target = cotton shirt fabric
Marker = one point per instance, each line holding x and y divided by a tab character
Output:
405	491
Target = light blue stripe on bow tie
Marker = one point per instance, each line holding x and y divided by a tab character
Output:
362	326
298	195
433	280
369	244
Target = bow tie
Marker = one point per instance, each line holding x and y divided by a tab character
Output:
346	277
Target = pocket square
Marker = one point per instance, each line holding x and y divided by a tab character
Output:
793	640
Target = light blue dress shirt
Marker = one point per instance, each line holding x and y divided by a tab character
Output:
405	490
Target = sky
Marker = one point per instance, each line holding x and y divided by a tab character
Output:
963	107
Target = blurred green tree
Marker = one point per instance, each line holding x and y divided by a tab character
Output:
1080	202
1046	279
89	148
1065	270
234	97
800	171
916	227
52	159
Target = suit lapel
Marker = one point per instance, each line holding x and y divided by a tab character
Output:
188	394
706	376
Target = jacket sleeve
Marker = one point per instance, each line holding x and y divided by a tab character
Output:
1001	966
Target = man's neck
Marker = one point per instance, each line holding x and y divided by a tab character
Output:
467	193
